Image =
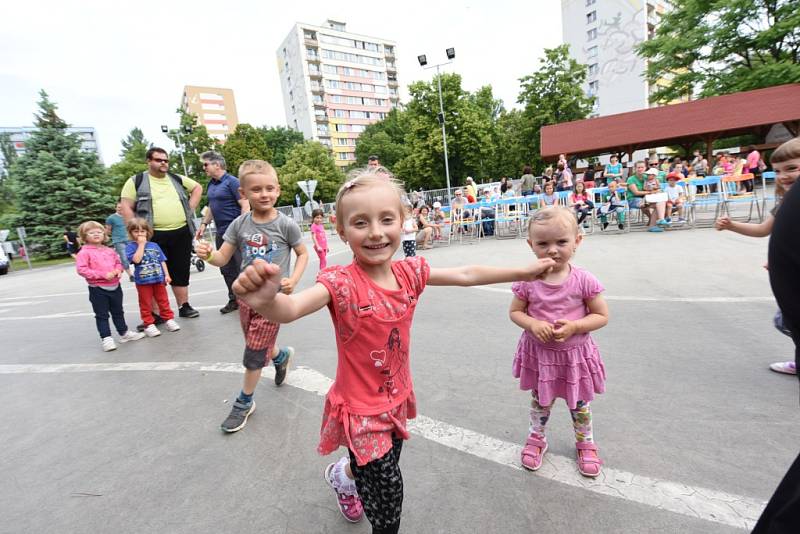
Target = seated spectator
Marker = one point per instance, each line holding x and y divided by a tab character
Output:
636	198
426	229
588	176
458	203
580	200
614	170
676	197
613	203
549	197
651	183
438	215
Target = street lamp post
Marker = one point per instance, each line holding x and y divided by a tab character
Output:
423	60
186	128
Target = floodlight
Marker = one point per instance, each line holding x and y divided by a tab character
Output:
187	128
451	53
422	60
164	128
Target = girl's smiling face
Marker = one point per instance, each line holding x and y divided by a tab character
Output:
372	220
787	172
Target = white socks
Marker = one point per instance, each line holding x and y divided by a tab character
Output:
343	483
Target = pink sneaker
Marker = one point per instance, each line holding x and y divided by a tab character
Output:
349	505
788	368
588	463
533	453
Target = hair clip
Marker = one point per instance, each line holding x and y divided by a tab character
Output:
350	183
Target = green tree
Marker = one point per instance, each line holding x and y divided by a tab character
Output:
512	151
707	48
385	139
310	160
244	143
56	183
132	159
280	141
194	142
551	95
9	155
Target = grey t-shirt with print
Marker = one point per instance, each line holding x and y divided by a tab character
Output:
271	241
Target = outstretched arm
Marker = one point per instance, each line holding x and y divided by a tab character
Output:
259	286
762	229
478	275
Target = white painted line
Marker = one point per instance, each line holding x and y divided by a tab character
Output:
701	503
23	303
653	299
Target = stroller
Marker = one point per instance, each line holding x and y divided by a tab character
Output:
195	260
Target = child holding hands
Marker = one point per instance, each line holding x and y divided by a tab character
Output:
556	357
101	267
372	303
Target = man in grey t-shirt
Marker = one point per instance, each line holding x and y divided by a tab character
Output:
272	241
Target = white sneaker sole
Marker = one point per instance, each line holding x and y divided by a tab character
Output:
246	416
154	334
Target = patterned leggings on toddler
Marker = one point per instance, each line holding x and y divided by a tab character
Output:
581	419
380	487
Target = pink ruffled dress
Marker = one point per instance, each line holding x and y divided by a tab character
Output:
571	370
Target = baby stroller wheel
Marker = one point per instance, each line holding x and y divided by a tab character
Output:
200	264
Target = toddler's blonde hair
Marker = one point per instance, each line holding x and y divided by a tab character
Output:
256	166
84	228
554	215
364	178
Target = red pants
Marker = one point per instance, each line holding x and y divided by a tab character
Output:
149	292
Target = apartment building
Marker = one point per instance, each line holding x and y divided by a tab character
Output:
19	135
215	108
335	83
603	35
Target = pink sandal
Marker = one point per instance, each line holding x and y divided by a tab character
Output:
533	453
588	465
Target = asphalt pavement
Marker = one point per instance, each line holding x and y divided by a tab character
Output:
694	429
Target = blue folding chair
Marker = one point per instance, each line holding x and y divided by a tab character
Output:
703	198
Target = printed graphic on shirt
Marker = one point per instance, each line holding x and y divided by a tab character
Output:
391	361
258	246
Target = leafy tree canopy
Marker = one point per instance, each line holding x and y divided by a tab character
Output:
132	159
309	160
706	48
280	141
243	144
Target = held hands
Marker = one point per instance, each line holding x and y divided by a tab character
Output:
539	269
258	284
203	249
723	223
564	330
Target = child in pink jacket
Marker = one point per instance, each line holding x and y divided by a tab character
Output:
101	267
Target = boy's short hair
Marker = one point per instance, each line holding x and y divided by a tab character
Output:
84	228
256	166
788	150
139	223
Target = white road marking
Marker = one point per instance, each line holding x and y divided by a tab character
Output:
23	303
701	503
653	299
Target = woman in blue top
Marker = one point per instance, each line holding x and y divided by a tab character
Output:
613	170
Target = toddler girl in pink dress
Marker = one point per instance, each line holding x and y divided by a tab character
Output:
556	357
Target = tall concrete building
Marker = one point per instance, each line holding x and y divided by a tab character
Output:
19	135
603	34
215	109
335	83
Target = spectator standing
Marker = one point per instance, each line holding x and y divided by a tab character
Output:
527	182
563	177
115	229
472	191
225	203
167	201
373	161
753	167
71	242
699	164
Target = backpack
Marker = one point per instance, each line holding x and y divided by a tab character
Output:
144	200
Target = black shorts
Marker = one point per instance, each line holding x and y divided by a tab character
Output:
177	247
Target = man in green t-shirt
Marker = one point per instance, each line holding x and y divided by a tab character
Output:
170	221
636	193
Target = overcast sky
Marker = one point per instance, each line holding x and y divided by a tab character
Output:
117	65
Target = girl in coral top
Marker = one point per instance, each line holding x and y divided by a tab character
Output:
372	303
556	357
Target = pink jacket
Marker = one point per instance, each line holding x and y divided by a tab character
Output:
95	262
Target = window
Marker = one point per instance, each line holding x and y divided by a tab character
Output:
593	87
591	52
358	114
340	113
591	35
591	17
593	69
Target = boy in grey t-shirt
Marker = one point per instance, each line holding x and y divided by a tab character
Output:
263	233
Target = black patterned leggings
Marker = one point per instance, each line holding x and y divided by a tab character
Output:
380	486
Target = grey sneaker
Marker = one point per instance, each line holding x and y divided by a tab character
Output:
238	416
282	361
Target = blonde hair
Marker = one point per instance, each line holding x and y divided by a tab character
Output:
84	228
256	166
788	150
365	178
555	215
139	223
